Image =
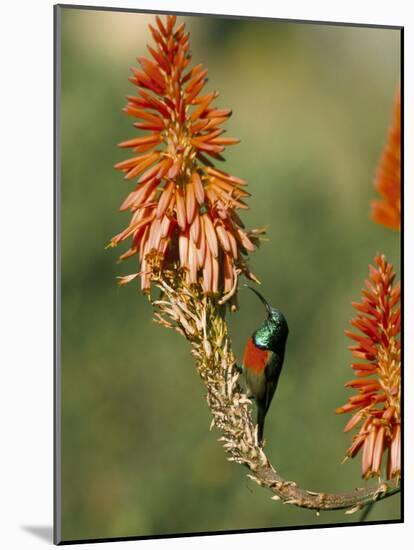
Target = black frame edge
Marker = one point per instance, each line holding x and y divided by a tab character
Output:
56	278
230	16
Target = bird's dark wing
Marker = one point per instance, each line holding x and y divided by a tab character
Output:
272	374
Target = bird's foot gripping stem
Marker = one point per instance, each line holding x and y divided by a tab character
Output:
239	369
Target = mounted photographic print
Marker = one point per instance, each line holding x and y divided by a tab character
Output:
228	266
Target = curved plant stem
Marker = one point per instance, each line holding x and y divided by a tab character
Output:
201	321
366	511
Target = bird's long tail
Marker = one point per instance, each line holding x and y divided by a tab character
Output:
261	414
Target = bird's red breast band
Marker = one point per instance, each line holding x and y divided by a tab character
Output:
254	357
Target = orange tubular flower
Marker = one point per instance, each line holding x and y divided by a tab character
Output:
376	406
388	180
184	209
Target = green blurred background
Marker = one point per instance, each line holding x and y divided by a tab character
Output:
312	105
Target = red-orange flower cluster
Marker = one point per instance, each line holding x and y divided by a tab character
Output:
184	209
387	211
376	405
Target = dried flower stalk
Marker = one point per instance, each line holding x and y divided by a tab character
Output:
201	321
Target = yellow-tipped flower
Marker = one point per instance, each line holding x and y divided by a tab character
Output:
375	407
184	208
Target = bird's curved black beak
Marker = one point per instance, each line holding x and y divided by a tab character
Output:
266	305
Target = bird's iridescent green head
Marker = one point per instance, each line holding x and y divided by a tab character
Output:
273	332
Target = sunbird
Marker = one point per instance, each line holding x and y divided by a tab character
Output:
263	360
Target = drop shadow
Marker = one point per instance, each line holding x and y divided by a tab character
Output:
44	532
